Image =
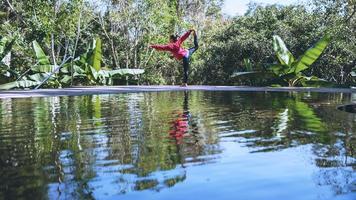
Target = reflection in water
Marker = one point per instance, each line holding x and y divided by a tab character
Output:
180	125
351	108
95	147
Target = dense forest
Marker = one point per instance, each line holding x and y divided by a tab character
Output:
105	42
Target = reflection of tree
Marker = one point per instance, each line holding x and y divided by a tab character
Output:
46	143
144	145
297	123
337	161
286	121
154	153
56	146
67	147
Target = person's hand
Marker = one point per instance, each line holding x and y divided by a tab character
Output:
193	32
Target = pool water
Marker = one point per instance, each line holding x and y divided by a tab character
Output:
178	145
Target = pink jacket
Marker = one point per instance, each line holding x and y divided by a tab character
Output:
175	48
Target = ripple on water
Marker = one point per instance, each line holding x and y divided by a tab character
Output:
174	144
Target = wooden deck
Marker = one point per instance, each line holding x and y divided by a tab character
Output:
76	91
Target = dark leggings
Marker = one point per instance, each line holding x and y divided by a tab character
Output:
186	59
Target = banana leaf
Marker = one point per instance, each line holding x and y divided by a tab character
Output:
314	81
82	59
253	74
284	56
65	69
5	47
7	71
104	73
3	42
43	68
236	74
96	55
66	79
93	73
39	77
6	60
123	72
311	55
19	84
78	70
248	65
40	55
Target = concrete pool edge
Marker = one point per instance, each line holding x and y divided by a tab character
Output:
78	91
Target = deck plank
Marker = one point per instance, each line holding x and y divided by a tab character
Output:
77	91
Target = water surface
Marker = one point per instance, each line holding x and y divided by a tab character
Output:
178	145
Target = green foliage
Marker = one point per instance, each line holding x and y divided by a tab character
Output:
38	73
95	57
311	55
300	26
248	64
19	84
306	115
87	68
42	58
50	132
5	47
5	58
284	56
126	28
289	70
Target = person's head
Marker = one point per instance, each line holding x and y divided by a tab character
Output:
173	38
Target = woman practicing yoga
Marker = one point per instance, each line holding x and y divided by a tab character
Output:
175	47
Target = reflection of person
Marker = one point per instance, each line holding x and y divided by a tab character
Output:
189	139
180	126
175	47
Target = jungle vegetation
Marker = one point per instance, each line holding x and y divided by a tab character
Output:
106	42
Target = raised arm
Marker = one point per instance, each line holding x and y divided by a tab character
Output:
184	36
162	47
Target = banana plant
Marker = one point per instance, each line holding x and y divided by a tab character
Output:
5	58
36	74
87	67
289	70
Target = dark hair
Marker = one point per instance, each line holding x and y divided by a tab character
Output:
174	37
